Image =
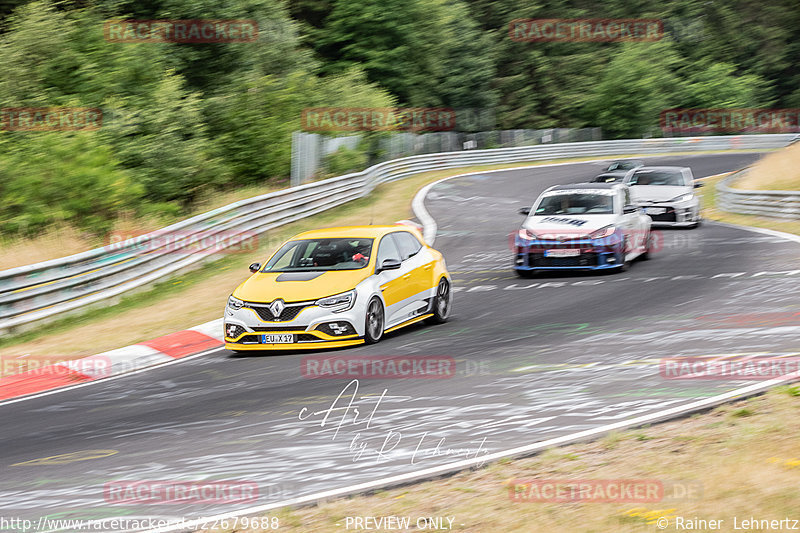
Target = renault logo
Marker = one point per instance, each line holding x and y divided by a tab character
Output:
277	307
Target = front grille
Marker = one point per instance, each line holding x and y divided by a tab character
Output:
289	312
278	328
668	216
306	337
340	329
583	260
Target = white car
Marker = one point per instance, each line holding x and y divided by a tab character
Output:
582	226
667	194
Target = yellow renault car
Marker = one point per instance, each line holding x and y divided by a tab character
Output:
338	287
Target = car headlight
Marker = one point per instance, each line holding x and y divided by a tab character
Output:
338	302
683	198
603	232
235	303
526	234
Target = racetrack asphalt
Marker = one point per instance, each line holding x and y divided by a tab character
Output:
535	358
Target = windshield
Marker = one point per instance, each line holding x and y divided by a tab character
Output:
320	255
623	165
658	177
576	204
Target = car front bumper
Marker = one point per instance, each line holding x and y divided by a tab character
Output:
674	214
312	327
595	254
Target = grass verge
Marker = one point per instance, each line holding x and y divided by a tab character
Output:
740	459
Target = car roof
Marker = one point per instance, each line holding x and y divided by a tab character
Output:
353	231
659	168
592	185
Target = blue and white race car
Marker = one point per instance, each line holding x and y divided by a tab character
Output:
590	226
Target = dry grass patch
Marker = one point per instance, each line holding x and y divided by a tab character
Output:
778	171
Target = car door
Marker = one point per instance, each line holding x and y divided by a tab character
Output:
640	228
629	222
393	283
419	279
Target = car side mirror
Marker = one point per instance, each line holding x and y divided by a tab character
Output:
628	209
525	211
698	185
389	264
255	267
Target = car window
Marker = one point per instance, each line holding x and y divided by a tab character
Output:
320	255
576	204
657	177
407	244
387	250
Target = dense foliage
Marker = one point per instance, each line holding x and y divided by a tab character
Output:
182	120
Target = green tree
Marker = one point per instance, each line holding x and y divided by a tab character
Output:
639	82
58	177
425	52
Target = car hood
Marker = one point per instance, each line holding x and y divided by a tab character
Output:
299	286
657	193
568	225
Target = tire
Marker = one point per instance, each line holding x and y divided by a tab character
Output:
442	303
374	321
525	274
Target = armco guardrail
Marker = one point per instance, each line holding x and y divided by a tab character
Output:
36	292
776	204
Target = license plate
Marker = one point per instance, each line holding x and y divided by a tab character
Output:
655	210
562	252
283	338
